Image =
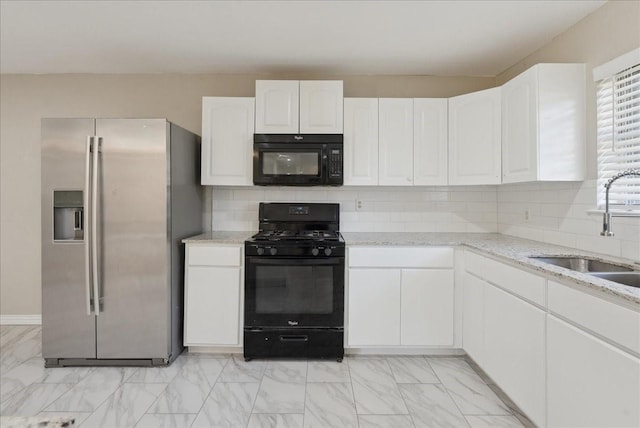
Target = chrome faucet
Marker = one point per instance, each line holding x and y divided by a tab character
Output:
606	220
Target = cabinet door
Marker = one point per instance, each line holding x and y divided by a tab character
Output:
514	350
426	307
374	307
589	382
227	141
519	128
212	306
277	106
396	141
321	109
360	141
474	138
473	317
430	139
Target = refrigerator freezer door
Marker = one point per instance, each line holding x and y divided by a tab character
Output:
67	330
134	252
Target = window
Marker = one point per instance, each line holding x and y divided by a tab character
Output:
618	122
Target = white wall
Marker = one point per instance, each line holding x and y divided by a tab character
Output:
559	210
25	99
558	214
383	209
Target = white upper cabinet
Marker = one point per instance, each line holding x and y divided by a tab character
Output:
360	141
430	140
543	124
292	107
321	108
227	141
474	138
395	125
277	106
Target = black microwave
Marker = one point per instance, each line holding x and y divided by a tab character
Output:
298	159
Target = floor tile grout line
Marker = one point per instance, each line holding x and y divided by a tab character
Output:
204	402
304	406
253	405
449	394
150	404
353	392
413	421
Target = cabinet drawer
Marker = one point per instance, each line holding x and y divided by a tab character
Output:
209	255
418	257
612	321
519	282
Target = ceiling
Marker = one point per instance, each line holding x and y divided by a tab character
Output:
471	38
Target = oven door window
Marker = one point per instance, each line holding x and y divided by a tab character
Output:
294	289
291	163
294	292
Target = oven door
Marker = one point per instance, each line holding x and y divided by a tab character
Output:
296	164
294	292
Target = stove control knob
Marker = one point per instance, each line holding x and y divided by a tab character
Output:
327	251
260	251
273	251
315	251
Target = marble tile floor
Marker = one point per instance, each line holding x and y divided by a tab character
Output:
206	390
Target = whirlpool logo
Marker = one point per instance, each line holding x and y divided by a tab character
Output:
292	323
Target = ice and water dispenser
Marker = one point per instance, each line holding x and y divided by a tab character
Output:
68	215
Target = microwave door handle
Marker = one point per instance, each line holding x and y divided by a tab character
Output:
88	230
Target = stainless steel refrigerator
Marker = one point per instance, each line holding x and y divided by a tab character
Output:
118	195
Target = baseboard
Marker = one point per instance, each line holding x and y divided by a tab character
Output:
431	351
21	319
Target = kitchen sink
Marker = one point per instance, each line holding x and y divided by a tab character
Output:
627	278
582	264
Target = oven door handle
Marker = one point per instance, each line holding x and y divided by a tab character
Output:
294	338
297	262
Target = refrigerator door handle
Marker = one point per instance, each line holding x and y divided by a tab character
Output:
94	226
88	231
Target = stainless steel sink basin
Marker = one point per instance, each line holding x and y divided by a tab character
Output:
582	264
626	278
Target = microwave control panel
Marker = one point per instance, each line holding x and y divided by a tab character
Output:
335	163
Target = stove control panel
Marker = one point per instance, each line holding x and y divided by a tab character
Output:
314	250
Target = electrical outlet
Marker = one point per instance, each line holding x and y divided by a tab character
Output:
527	215
359	205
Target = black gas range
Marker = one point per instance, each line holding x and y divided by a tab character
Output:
294	283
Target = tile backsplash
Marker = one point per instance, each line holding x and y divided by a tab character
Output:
375	209
556	213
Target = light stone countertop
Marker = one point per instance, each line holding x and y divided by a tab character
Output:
220	237
502	247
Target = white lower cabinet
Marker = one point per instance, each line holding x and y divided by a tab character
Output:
400	297
567	361
473	317
212	295
589	382
426	307
514	350
505	334
374	307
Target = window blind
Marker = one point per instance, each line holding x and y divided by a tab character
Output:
618	122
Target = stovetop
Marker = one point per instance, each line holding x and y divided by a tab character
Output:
297	230
297	235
